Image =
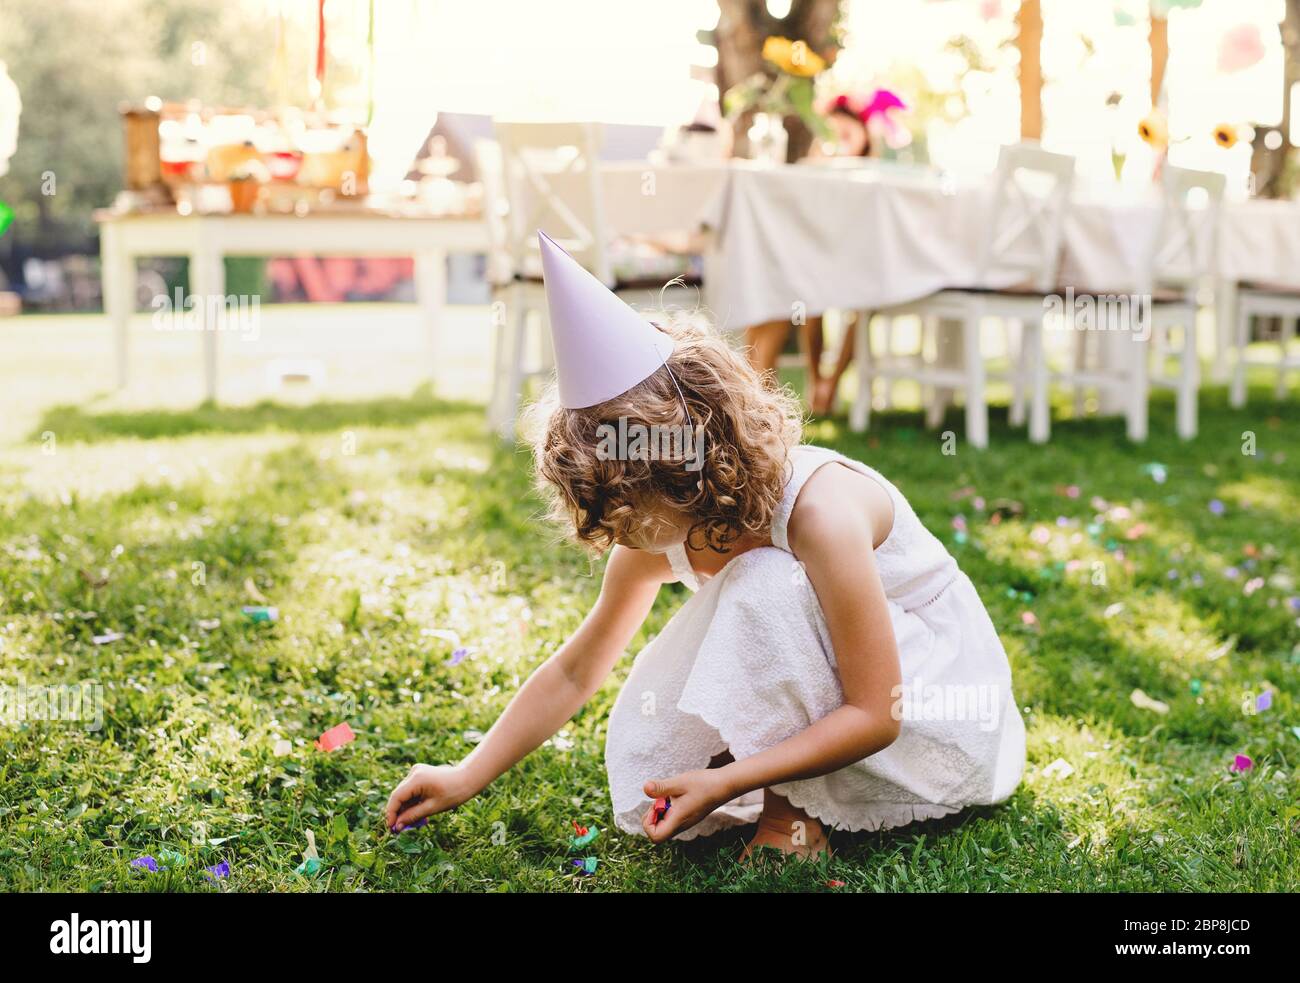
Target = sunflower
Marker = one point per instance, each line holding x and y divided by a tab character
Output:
1225	135
1153	130
793	57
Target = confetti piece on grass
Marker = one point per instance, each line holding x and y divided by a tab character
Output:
217	871
1217	507
1157	472
309	867
171	858
1264	700
1113	610
1241	762
1144	702
258	613
146	863
336	737
1195	687
458	656
835	883
209	624
107	638
282	748
587	866
1060	768
1029	619
583	837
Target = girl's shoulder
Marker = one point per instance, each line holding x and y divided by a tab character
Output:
826	499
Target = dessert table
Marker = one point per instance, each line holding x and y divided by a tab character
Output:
207	239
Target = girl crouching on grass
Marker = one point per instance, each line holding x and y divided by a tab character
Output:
833	668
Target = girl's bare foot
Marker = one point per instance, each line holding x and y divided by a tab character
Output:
787	829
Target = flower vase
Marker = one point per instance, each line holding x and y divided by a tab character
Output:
768	139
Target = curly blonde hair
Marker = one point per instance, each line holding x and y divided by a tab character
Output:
747	427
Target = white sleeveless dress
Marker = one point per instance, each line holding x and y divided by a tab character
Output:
747	662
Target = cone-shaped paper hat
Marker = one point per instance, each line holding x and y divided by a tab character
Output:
602	347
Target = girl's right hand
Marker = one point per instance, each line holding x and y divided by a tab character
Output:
427	789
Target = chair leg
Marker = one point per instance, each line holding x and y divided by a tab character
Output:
1040	418
514	387
1289	325
940	396
860	412
926	339
1019	372
1081	350
499	323
1138	389
1237	392
1187	381
891	350
977	411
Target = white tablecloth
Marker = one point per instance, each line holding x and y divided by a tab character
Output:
865	240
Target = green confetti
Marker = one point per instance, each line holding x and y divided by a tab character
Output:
6	217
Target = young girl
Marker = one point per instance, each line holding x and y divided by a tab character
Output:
833	669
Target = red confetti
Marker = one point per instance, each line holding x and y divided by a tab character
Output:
336	737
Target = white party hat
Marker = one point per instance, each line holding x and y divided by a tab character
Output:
602	346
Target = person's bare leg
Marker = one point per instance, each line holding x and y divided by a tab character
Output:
814	342
829	385
764	342
787	828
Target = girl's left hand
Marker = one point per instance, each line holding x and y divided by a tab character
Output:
694	795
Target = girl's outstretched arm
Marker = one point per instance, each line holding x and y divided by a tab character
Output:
550	696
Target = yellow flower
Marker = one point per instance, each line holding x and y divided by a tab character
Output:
1225	135
793	57
1154	130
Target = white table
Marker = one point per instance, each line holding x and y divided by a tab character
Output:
865	239
207	239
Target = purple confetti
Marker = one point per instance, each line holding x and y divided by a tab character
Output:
148	863
458	656
1264	700
217	871
1216	506
1293	603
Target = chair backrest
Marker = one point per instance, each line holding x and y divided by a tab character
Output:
1184	251
1026	222
552	182
496	210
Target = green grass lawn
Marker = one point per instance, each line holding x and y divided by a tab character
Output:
377	525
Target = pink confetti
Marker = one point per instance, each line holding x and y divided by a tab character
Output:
1028	618
1242	762
336	737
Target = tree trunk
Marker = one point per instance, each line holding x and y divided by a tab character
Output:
743	26
1269	166
1029	40
1159	42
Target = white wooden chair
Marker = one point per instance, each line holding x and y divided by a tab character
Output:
1127	357
1264	300
550	180
1026	223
